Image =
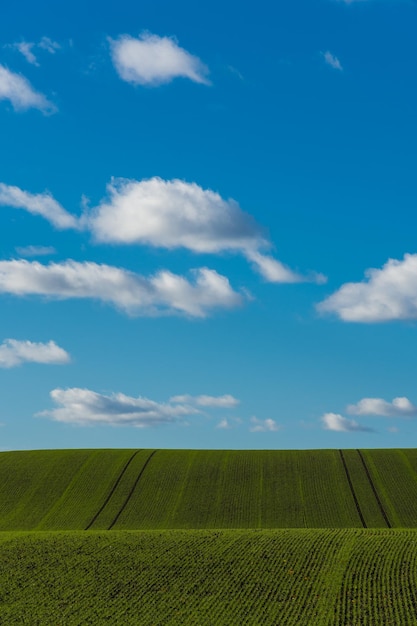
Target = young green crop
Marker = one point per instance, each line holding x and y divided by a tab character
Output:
295	577
163	489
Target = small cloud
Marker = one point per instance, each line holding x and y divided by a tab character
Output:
393	429
50	46
25	48
386	294
152	60
31	251
18	90
229	423
273	271
224	402
84	407
262	426
334	421
38	204
164	293
399	407
332	60
14	353
234	71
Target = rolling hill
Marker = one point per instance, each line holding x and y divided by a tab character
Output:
207	489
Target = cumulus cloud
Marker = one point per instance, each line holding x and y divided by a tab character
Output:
222	402
261	426
18	90
30	251
176	214
153	60
86	407
14	352
399	407
38	204
387	294
168	214
332	60
162	293
173	214
334	421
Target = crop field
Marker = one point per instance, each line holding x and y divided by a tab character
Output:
207	489
331	577
204	537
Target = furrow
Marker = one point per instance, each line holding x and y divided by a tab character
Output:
358	508
113	489
384	515
132	489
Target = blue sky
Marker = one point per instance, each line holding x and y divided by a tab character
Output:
208	224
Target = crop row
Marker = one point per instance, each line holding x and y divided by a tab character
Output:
163	489
293	577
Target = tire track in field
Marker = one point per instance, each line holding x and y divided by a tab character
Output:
358	508
112	490
129	495
381	508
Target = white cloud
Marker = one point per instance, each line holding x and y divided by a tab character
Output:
173	214
224	425
223	402
31	251
387	294
168	214
38	204
50	46
14	352
334	421
18	90
162	293
176	214
85	407
153	60
266	425
399	407
332	60
26	48
274	271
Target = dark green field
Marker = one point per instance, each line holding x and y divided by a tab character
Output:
290	577
185	489
170	537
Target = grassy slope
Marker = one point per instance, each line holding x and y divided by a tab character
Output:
168	489
292	577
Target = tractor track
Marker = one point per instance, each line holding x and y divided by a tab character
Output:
358	508
112	490
381	508
129	495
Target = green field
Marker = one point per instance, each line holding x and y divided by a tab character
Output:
171	537
272	577
190	489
